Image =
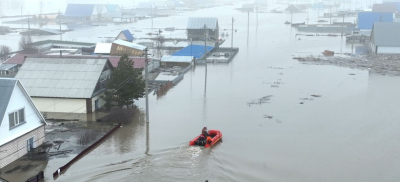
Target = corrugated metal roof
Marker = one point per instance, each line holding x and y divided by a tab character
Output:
128	35
386	34
177	59
384	8
79	10
130	44
396	3
198	23
6	67
61	77
196	51
7	86
367	19
103	48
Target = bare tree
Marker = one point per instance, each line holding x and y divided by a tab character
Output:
25	44
4	51
160	45
108	40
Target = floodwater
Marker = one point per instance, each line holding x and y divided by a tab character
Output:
347	131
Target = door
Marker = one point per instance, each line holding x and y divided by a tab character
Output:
29	144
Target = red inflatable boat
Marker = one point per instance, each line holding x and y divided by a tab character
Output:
215	135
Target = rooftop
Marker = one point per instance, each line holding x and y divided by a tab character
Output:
384	8
130	44
6	88
7	66
61	78
367	19
180	59
79	10
196	51
198	23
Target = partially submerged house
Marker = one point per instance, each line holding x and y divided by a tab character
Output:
125	35
21	124
112	11
183	61
196	51
197	27
120	48
385	38
68	85
83	11
8	70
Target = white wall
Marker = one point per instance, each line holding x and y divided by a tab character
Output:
388	50
60	105
18	101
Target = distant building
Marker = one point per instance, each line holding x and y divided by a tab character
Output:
68	85
293	9
395	3
196	29
385	38
248	7
21	124
8	70
113	11
82	11
183	61
366	20
125	35
120	48
384	8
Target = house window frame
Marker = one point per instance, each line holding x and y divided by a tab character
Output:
16	117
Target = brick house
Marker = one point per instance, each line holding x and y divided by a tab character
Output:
21	124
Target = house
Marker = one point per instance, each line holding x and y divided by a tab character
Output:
8	70
146	6
112	11
21	124
384	8
84	11
367	19
67	85
183	61
198	26
125	35
385	38
120	48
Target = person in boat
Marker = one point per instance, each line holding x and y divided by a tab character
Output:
204	138
204	132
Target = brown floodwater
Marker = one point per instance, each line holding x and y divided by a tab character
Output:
328	123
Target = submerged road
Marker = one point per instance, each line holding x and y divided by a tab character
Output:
281	120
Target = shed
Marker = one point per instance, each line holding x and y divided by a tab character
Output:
125	35
385	38
177	60
384	8
196	51
8	70
196	27
367	19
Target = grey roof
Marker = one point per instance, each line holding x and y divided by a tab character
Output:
386	34
6	89
198	23
61	77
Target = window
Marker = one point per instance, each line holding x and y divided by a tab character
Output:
16	118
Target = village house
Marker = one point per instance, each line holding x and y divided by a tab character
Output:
67	85
125	35
198	26
385	38
183	61
84	11
21	124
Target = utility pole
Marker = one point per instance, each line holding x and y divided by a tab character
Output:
146	84
330	14
233	20
59	19
257	15
205	45
342	25
29	29
151	16
41	4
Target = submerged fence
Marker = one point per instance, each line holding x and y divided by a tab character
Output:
63	168
36	178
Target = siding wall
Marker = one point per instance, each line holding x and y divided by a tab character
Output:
60	105
120	50
388	50
15	149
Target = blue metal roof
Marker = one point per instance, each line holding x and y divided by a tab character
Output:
396	3
196	51
79	10
128	35
367	19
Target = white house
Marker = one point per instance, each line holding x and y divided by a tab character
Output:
21	124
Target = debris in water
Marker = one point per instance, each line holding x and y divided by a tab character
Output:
261	100
316	95
267	116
